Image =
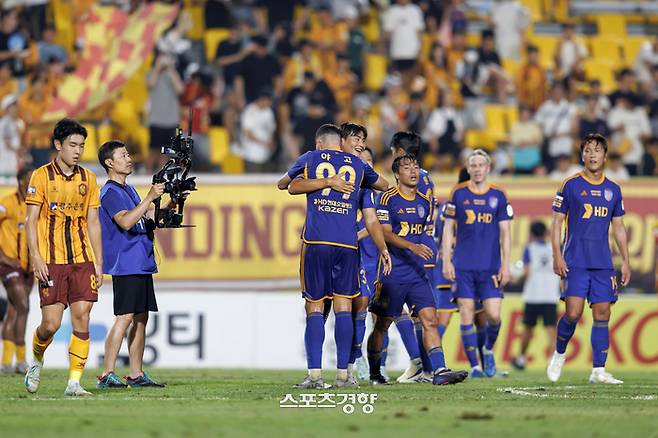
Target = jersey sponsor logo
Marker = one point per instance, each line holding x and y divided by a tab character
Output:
607	194
382	215
479	201
401	211
597	211
421	210
493	202
510	210
557	202
411	210
470	216
31	190
413	229
82	189
450	210
596	192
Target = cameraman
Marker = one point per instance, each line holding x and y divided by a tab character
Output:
127	234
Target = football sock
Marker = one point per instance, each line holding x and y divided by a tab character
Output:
482	336
374	360
565	330
313	340
600	343
20	353
384	352
8	348
359	333
405	327
39	345
491	335
437	359
427	365
469	338
442	330
78	352
344	336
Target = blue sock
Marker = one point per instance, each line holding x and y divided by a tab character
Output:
469	338
313	340
406	329
385	350
482	337
600	343
491	332
565	330
436	358
359	333
344	335
442	330
427	365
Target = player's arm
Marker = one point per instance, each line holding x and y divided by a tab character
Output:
127	219
375	229
559	265
284	182
381	184
419	249
40	267
362	234
446	248
505	245
300	186
94	230
621	239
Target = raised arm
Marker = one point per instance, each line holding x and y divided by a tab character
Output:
381	184
559	265
284	182
300	186
621	239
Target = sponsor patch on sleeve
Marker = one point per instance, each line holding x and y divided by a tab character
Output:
557	202
510	210
382	215
31	190
450	210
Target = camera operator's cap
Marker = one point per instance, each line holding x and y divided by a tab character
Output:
8	101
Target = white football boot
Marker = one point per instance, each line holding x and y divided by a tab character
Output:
555	366
599	375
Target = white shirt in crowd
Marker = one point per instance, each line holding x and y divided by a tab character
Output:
617	175
570	52
510	19
555	119
635	123
542	285
262	125
437	123
647	54
404	24
561	175
10	143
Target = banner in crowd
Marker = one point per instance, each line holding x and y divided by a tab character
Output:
197	330
116	44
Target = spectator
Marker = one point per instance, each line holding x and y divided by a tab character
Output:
602	101
259	70
12	129
55	75
164	115
646	58
436	74
356	44
393	107
590	122
13	43
652	95
444	131
570	53
343	83
472	77
303	61
281	41
229	55
626	88
8	85
32	105
564	168
361	114
176	45
416	116
456	52
510	20
257	142
615	169
201	95
556	116
403	26
299	98
650	158
217	14
304	129
329	38
48	49
526	140
630	127
531	82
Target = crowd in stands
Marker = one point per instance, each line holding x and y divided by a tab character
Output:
281	70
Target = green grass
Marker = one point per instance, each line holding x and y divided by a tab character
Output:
233	403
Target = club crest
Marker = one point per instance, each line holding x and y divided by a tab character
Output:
607	194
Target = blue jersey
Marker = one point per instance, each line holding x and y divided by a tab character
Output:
478	215
408	218
367	248
426	187
589	207
331	215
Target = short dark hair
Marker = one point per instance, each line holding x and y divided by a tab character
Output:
24	171
106	151
348	129
596	138
371	152
463	175
67	127
408	141
404	158
328	129
538	229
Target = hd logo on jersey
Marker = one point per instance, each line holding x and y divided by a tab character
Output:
406	229
597	211
483	218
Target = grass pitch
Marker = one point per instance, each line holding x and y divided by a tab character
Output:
235	403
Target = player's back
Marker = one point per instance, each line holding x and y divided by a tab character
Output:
542	285
12	228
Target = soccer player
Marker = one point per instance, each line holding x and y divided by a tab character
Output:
481	213
541	291
64	240
588	202
329	256
15	273
127	228
403	213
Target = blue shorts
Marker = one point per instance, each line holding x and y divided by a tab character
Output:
368	276
439	281
477	285
393	296
328	270
595	285
444	300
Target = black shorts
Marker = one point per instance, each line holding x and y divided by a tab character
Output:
133	294
160	136
548	313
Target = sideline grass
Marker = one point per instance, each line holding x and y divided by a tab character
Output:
235	403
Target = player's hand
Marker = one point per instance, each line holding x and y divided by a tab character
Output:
625	273
560	266
40	269
338	183
156	191
99	276
387	262
503	276
448	270
422	251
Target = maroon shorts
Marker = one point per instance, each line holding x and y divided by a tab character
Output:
70	283
8	274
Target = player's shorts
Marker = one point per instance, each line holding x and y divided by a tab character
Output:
367	279
547	311
393	297
9	273
70	284
595	285
477	285
328	271
444	299
133	294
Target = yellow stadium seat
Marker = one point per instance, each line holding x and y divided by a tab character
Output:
141	136
219	144
198	27
211	39
136	90
547	45
511	67
479	139
371	28
426	47
606	49
536	9
512	116
375	71
104	133
232	164
602	71
611	24
495	117
473	39
630	47
90	152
